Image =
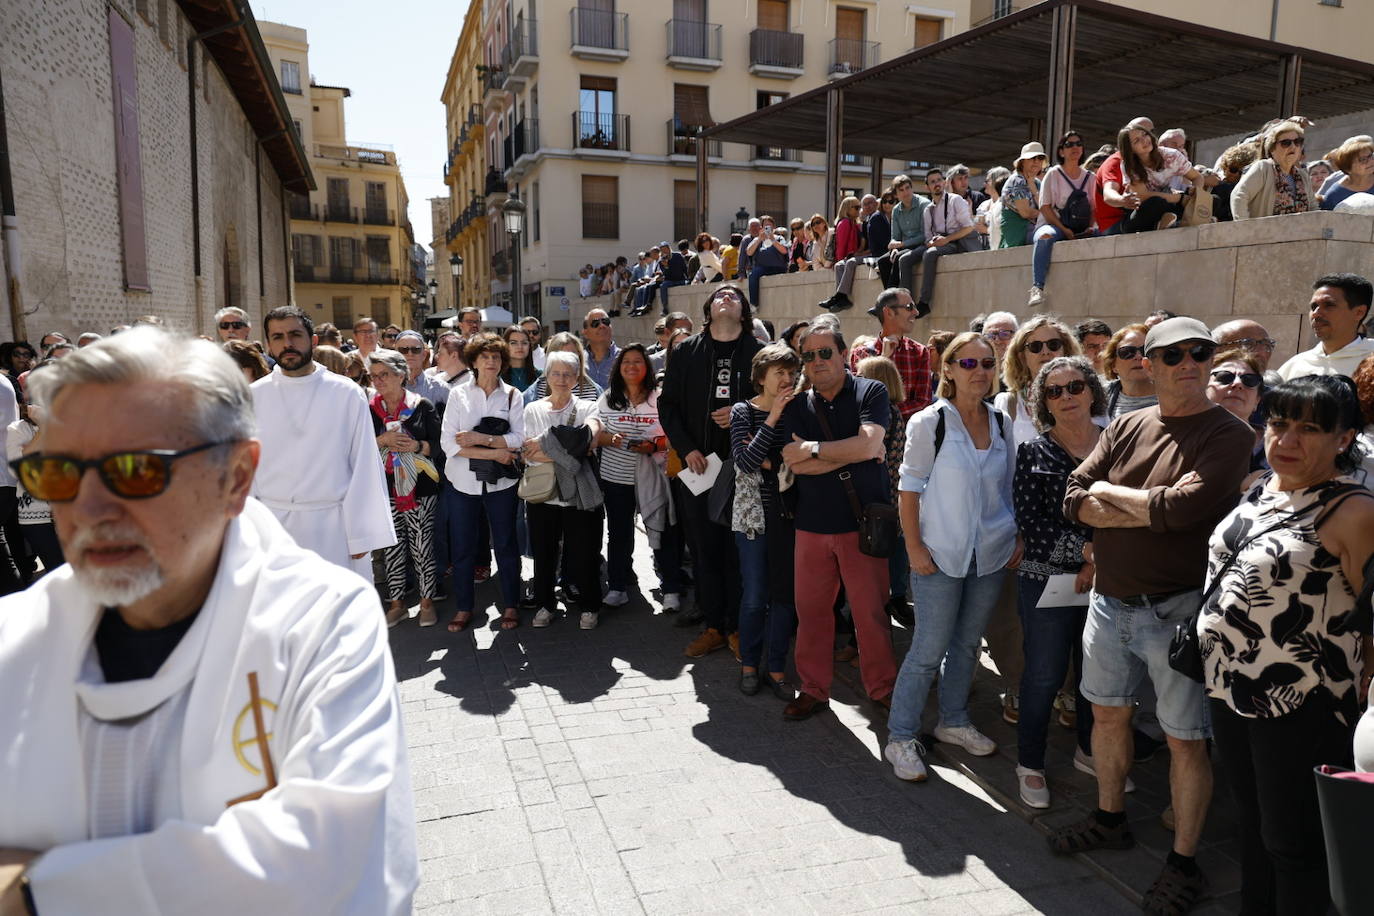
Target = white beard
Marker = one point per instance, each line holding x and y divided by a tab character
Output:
117	587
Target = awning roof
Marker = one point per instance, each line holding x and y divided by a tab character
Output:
233	40
976	97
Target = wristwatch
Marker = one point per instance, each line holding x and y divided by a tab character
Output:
815	450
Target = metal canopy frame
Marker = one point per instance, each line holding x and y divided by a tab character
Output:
1060	64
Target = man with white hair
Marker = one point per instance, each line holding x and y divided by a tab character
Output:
232	324
209	719
998	327
412	346
319	472
86	339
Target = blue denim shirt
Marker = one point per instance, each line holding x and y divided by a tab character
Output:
966	506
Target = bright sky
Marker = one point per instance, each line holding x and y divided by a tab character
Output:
394	57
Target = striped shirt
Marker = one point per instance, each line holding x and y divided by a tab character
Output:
636	422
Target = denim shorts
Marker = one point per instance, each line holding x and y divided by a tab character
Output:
1122	645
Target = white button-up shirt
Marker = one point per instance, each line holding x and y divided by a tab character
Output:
947	216
1317	361
467	405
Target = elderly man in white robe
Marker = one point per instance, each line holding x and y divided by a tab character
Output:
319	472
201	716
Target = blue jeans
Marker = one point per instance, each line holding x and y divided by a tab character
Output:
757	274
898	570
951	614
767	616
663	292
1052	636
465	515
1045	237
620	535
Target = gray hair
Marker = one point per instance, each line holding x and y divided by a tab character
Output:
956	170
822	324
888	299
390	359
1173	133
562	358
231	311
220	404
1039	406
1001	316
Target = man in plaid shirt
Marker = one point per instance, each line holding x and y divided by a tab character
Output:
897	312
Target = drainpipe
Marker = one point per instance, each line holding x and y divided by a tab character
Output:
10	258
194	135
1274	28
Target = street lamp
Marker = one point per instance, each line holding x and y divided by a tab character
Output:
455	266
741	222
513	212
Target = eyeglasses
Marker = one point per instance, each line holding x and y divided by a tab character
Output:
1172	356
1224	377
1254	343
1054	346
998	335
1291	142
1366	158
969	363
129	475
390	336
598	322
380	376
1076	387
1069	144
1129	353
235	325
822	352
909	306
410	351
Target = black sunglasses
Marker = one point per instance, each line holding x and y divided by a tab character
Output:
129	475
1299	142
822	352
390	336
1226	377
1054	346
969	363
236	325
597	322
1055	392
1068	143
410	350
1172	356
1129	352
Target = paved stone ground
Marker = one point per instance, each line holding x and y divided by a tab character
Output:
601	771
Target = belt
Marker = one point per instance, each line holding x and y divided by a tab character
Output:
1139	601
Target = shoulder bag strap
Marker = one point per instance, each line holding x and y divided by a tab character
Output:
849	490
1345	490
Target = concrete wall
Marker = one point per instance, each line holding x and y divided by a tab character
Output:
1261	269
57	83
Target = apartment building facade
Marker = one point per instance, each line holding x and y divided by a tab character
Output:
351	238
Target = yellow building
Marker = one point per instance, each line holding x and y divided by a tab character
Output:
465	173
351	238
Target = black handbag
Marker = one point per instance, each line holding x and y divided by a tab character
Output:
720	500
1185	648
879	525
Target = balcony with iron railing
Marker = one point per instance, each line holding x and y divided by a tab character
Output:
495	183
593	130
300	207
850	55
375	274
372	154
855	161
693	45
307	273
773	157
776	54
335	212
521	56
1000	10
379	216
599	34
520	148
682	140
494	88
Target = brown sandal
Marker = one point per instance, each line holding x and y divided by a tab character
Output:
510	618
460	621
1174	893
1089	834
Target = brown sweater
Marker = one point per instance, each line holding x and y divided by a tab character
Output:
1145	451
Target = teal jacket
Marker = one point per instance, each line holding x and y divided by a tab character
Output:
907	226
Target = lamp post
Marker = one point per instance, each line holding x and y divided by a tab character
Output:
513	212
741	222
455	266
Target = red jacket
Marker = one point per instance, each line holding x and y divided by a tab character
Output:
846	238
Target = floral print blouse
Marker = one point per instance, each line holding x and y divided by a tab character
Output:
1053	544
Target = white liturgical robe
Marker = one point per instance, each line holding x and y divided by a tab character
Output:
337	832
320	471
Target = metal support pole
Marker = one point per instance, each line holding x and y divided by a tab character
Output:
875	178
703	217
1060	102
1290	86
834	143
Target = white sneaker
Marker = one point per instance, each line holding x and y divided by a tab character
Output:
616	599
588	620
967	737
907	759
542	618
671	602
1035	798
1083	763
1037	297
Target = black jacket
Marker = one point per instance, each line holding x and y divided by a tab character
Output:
684	403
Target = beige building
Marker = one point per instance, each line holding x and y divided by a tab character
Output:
351	237
465	232
148	169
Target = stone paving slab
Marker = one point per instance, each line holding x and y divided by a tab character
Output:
571	771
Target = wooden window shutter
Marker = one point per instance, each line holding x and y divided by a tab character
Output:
691	107
128	156
600	207
928	31
771	200
773	15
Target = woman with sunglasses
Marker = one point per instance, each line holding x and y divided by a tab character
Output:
1129	386
1236	383
1035	343
1066	210
957	470
1276	183
1065	399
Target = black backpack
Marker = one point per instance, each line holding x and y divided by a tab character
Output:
940	427
1077	212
